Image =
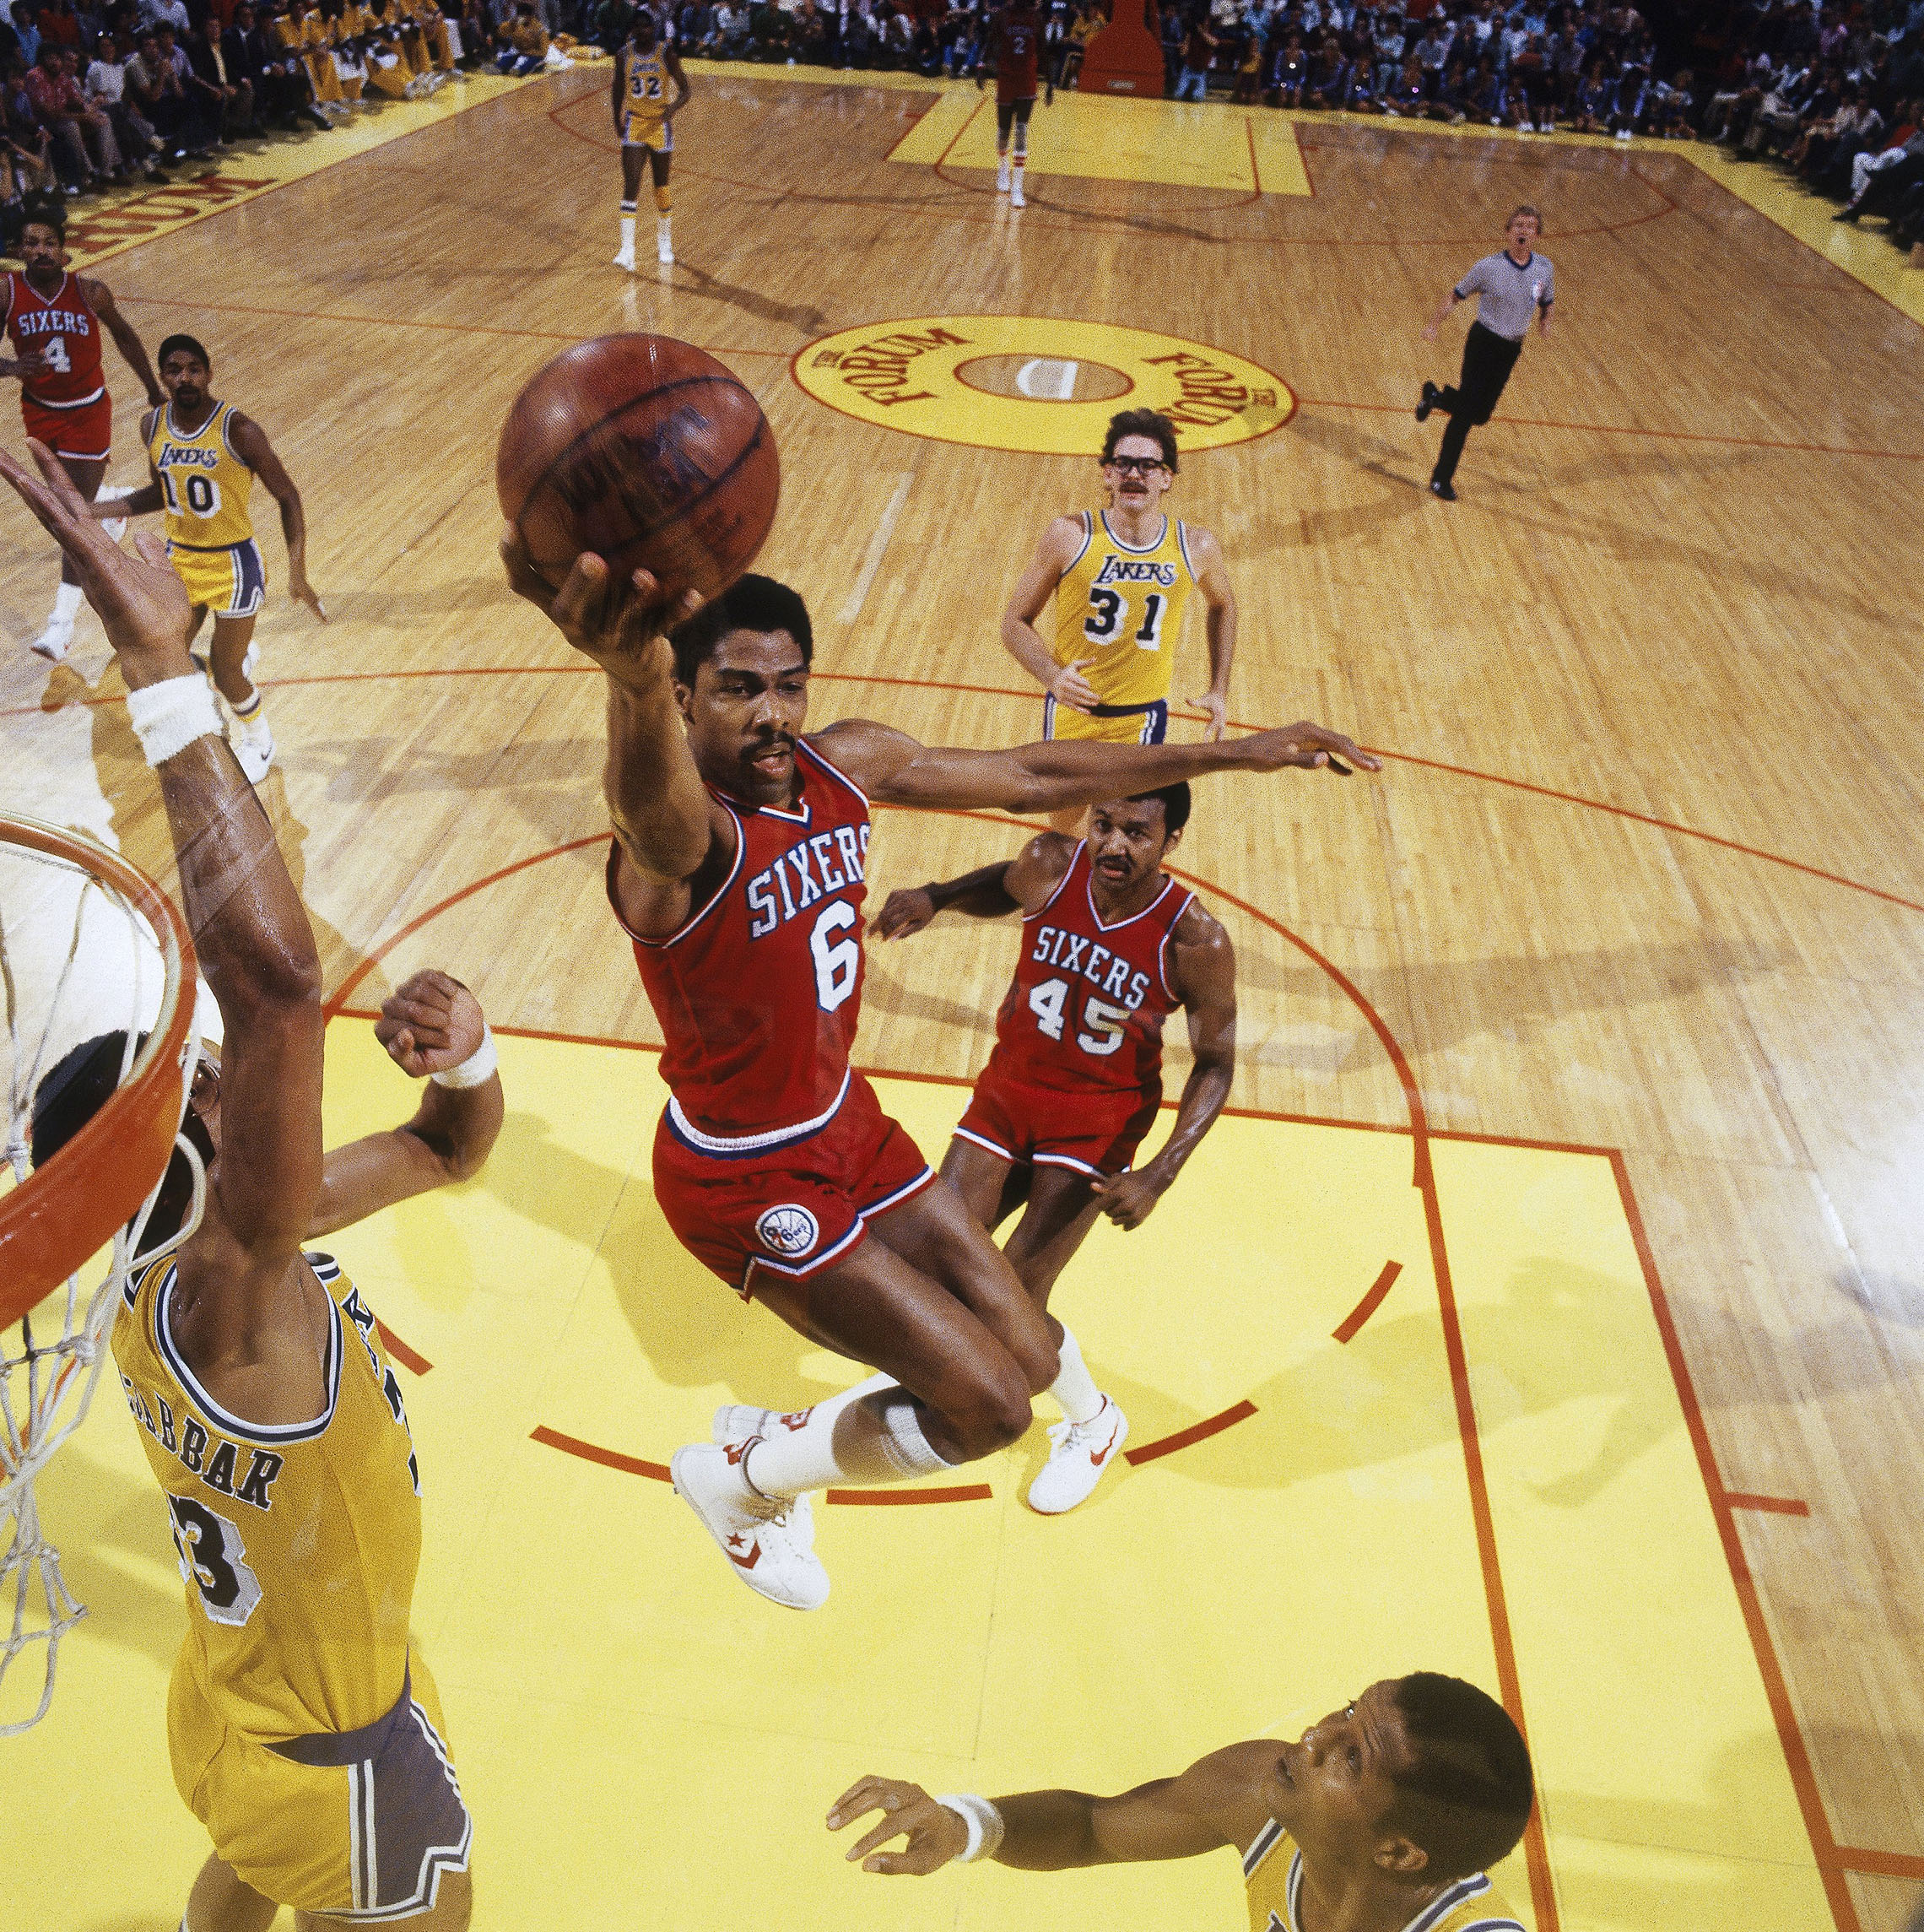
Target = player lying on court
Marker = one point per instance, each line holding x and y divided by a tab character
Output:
1121	579
1111	946
203	456
304	1728
1384	1817
737	867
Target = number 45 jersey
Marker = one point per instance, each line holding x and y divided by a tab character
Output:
297	1543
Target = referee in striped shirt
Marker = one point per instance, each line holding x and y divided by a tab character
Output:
1510	286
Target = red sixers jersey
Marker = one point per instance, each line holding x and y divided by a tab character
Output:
758	992
1085	1010
1018	36
67	334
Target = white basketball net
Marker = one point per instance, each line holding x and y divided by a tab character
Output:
71	972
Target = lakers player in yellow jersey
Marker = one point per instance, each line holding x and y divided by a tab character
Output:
203	456
1120	580
644	123
1383	1817
302	1725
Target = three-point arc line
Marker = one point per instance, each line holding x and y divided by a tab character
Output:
1347	1329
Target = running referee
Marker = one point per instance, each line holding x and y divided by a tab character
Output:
1510	286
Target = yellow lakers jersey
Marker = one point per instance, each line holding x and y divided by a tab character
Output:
1123	608
298	1544
644	95
204	484
1273	1871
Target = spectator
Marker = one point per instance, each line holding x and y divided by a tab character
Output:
227	103
155	13
525	48
1199	48
1450	101
84	150
160	97
105	87
26	142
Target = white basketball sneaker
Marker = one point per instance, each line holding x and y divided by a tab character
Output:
1078	1453
1015	198
254	752
736	1421
1002	176
664	243
625	258
770	1546
54	642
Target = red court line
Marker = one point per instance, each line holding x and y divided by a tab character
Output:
1796	1756
961	1492
1255	172
408	1357
1352	1324
1880	1865
593	1452
1195	1432
1776	1505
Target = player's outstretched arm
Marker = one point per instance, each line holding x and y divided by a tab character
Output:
1220	624
250	445
894	769
433	1029
1204	977
1018	885
100	300
1213	1804
1062	542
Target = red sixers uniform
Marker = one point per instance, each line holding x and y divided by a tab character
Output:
68	408
772	1152
1017	39
1076	1077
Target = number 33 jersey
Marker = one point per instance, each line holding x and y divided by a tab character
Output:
1084	1012
204	486
297	1543
758	992
1123	608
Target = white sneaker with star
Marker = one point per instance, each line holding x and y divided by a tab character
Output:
1078	1453
770	1544
736	1421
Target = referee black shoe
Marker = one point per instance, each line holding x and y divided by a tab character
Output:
1438	487
1430	393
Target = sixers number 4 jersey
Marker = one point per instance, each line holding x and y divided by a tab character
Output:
758	992
66	335
1085	1010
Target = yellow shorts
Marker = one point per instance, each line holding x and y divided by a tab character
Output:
1109	724
359	1824
230	582
640	130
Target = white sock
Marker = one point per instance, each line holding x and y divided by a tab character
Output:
628	234
66	601
1081	1399
875	1439
663	223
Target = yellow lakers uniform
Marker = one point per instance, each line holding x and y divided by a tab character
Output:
304	1733
645	99
1122	607
204	488
1272	1871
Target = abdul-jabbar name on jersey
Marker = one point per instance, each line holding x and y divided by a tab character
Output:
1085	1009
1119	610
758	992
297	1543
1272	1871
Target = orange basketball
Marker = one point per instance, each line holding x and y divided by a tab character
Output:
646	451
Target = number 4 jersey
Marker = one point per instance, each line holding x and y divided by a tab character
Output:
297	1543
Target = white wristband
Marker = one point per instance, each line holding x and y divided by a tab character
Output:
478	1067
984	1822
167	717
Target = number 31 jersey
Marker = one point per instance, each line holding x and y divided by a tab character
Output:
1084	1012
1123	608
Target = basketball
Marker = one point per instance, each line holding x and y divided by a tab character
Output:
646	451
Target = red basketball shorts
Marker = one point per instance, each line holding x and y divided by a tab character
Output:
85	434
1093	1132
793	1207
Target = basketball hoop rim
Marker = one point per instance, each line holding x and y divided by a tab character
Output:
71	1207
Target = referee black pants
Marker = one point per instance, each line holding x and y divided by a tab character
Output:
1488	360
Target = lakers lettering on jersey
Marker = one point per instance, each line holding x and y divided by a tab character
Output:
297	1543
646	100
1122	608
1273	1871
204	485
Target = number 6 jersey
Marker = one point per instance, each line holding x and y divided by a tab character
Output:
297	1543
1123	608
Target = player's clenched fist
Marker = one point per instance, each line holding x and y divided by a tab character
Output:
907	911
430	1024
936	1834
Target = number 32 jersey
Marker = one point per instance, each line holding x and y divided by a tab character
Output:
758	992
1085	1010
1123	608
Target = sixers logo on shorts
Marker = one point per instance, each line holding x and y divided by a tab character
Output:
789	1230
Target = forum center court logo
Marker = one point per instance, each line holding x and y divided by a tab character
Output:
1044	387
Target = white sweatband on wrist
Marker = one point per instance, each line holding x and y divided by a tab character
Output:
984	1822
478	1067
167	717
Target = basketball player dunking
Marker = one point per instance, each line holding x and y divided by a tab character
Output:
203	456
1383	1817
1111	947
55	320
643	124
1121	580
737	866
304	1729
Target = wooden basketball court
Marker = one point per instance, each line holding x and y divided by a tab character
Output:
1548	1311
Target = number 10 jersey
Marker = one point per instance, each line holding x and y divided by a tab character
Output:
1123	608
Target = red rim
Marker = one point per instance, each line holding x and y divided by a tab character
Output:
68	1210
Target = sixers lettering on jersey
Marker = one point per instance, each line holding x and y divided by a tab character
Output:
64	331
